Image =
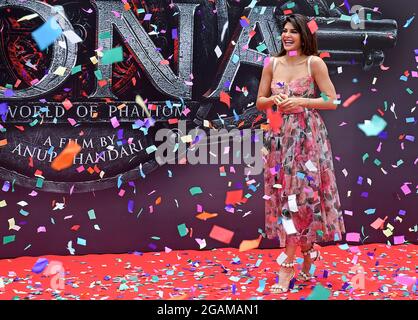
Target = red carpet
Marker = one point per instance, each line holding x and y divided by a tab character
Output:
390	273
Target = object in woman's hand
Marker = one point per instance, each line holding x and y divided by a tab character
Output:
275	120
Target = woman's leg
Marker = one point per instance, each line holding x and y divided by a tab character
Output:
310	255
286	272
307	260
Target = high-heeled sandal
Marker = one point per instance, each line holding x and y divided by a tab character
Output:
280	288
315	255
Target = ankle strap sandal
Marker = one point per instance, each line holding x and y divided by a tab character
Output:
288	265
302	276
313	253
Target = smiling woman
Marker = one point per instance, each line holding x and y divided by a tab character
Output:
302	205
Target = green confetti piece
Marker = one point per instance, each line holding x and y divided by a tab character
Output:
409	91
345	17
8	239
290	5
182	229
76	69
92	214
320	233
39	182
155	279
195	190
261	47
373	127
151	149
377	162
385	103
324	96
34	123
104	35
141	10
319	293
155	238
98	74
365	156
9	86
316	10
369	16
112	55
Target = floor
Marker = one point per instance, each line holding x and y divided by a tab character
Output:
390	273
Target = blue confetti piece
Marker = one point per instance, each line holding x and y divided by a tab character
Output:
236	117
40	265
46	34
131	205
370	211
408	22
81	241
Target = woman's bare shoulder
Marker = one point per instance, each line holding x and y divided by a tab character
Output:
316	60
318	64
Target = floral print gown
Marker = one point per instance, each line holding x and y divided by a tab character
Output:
299	174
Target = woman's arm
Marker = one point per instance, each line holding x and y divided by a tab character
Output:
264	98
320	74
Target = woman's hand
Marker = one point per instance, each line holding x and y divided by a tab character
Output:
279	98
290	104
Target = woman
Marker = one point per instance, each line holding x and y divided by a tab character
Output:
303	206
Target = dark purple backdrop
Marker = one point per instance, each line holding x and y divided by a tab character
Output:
122	231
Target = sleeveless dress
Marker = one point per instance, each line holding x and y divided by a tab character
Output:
300	184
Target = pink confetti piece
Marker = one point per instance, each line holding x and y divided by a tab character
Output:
41	229
406	189
353	236
313	27
398	239
115	122
405	280
72	121
117	14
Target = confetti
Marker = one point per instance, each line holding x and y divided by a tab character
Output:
374	126
221	234
112	56
47	33
65	159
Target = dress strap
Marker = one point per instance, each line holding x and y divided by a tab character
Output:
274	63
309	65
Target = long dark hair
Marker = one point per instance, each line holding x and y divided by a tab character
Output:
309	41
